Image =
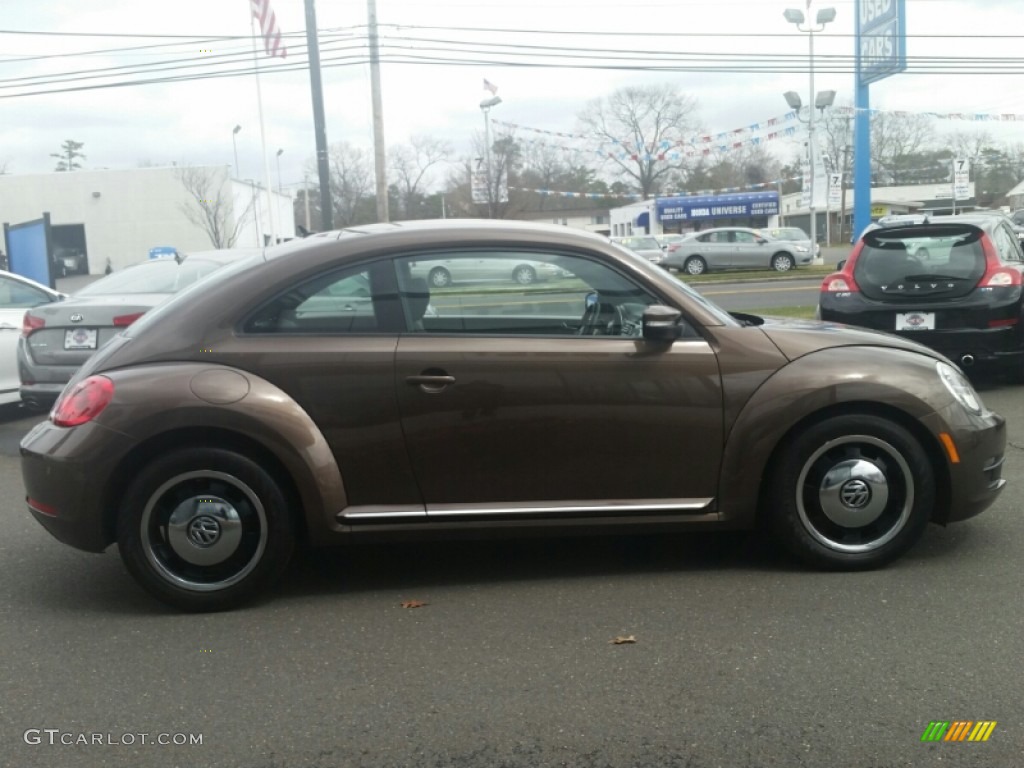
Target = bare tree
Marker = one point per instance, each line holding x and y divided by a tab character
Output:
410	165
352	182
645	125
68	155
898	135
211	206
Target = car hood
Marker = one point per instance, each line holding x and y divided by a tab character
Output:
796	338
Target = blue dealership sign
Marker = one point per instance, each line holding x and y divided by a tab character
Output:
881	39
704	207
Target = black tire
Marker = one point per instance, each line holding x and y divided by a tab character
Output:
524	274
782	262
439	277
232	533
851	493
695	265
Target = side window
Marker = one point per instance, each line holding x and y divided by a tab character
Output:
744	237
15	295
1006	244
518	293
354	300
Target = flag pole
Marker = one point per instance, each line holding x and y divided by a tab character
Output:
271	213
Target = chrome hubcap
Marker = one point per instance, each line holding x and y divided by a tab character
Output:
855	494
204	530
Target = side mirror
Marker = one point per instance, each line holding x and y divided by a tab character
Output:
839	266
661	323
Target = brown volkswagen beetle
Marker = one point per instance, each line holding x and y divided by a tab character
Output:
322	390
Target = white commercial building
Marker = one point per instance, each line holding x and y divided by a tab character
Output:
117	216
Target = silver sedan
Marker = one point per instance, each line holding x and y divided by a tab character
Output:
735	248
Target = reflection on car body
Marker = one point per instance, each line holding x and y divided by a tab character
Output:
228	423
442	272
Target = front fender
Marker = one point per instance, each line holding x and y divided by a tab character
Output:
830	382
193	398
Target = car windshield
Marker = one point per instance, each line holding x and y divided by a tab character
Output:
157	276
222	273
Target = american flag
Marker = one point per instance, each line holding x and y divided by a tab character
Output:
268	27
488	85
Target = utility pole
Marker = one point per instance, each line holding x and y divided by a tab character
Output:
319	121
842	196
379	161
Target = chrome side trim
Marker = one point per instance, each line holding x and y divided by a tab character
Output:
570	507
381	512
401	513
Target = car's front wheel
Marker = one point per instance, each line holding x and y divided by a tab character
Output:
695	265
852	493
439	277
204	529
782	262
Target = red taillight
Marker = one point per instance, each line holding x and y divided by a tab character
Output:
38	506
123	321
30	323
997	275
83	402
1004	323
839	282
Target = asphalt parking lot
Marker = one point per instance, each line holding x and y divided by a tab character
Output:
741	658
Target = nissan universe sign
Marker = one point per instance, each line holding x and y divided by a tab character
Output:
881	39
703	207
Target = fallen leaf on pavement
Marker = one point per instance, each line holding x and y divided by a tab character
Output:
623	640
413	603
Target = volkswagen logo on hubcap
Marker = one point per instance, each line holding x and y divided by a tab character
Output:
203	531
855	494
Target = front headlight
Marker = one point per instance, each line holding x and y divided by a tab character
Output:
801	249
959	387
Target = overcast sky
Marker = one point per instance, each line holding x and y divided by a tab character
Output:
192	121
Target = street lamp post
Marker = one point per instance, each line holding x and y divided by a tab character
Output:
234	146
486	105
824	16
280	189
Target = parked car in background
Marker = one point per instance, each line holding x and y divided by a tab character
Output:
792	234
17	294
645	245
223	426
443	272
734	248
56	338
668	241
953	283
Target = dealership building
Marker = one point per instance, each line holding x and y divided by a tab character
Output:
118	217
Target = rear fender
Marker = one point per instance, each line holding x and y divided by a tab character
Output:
194	398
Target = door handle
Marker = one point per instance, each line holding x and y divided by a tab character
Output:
431	383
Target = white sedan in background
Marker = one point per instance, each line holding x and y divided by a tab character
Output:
17	294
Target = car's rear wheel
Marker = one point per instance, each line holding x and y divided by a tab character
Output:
204	529
782	262
439	277
524	274
695	265
852	493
